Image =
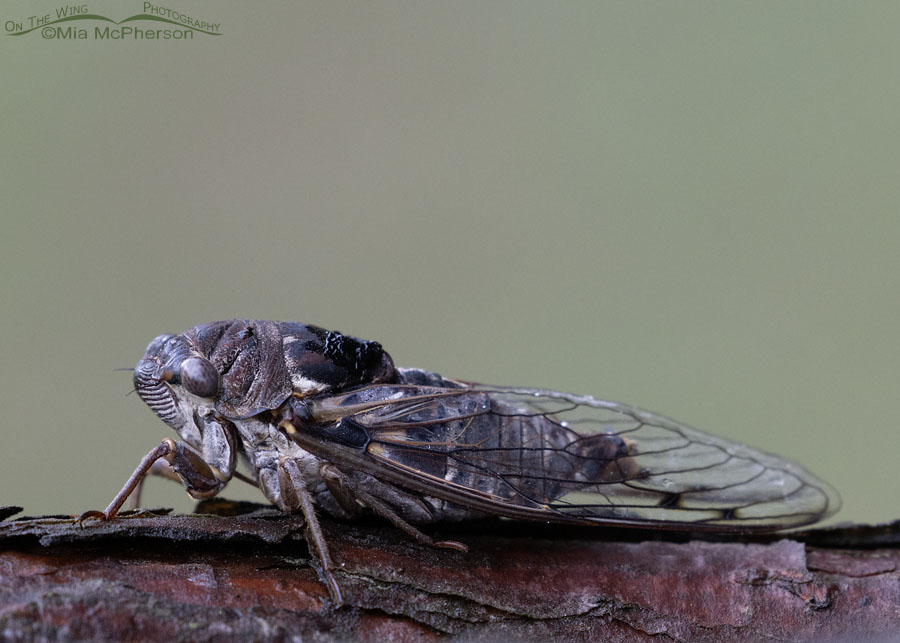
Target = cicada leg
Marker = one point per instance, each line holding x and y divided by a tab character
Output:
314	535
343	486
159	468
199	479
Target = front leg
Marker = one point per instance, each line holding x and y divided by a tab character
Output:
199	479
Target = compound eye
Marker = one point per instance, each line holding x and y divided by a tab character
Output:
199	376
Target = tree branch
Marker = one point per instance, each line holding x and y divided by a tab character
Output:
235	575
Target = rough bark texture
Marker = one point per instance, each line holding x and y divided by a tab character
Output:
246	576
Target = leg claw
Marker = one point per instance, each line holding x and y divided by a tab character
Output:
99	515
452	544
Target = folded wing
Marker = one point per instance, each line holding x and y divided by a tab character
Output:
536	454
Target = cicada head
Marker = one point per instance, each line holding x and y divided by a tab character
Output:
168	378
181	386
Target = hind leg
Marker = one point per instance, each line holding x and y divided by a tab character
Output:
346	487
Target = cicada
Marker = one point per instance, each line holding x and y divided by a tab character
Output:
319	419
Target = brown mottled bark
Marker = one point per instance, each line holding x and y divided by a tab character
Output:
243	577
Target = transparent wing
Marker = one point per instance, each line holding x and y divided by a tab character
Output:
544	455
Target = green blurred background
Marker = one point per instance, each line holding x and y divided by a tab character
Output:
691	207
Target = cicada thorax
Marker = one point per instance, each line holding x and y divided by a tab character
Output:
263	362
